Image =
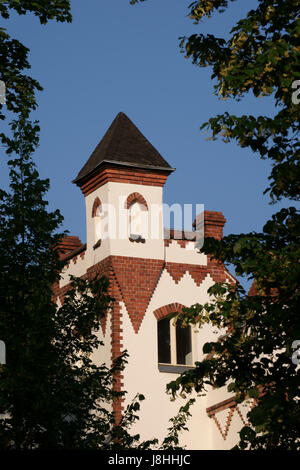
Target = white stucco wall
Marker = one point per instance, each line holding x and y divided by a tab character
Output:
103	354
176	254
142	374
76	268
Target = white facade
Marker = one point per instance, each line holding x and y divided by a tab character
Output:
142	374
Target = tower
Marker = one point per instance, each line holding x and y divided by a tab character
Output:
122	181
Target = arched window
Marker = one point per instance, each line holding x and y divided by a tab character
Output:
96	210
137	217
174	342
96	215
137	220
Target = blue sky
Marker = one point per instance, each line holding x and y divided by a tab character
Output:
117	57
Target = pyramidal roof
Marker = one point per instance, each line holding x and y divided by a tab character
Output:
124	144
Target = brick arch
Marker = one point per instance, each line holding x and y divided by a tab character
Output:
136	197
97	203
164	311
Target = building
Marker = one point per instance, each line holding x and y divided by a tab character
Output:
150	278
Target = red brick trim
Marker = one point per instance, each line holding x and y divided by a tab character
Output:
122	175
133	281
105	267
164	311
222	405
245	423
136	197
230	404
67	245
182	243
96	205
116	350
179	235
214	268
178	270
79	251
224	433
137	279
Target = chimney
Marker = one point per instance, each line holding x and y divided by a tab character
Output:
213	224
68	244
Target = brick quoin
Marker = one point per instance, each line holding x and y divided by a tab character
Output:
116	350
103	268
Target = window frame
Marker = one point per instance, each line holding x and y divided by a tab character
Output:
96	216
173	366
136	198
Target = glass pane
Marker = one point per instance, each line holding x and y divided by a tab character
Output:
183	345
163	340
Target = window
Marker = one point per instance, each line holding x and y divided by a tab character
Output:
183	344
138	218
174	343
96	215
96	210
163	340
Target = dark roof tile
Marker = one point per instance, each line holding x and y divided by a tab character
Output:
124	144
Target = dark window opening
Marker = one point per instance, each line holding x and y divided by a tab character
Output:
164	343
183	344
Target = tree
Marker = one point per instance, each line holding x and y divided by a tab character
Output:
21	88
254	358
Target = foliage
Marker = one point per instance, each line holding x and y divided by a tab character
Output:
262	56
48	383
20	87
51	394
178	424
253	358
